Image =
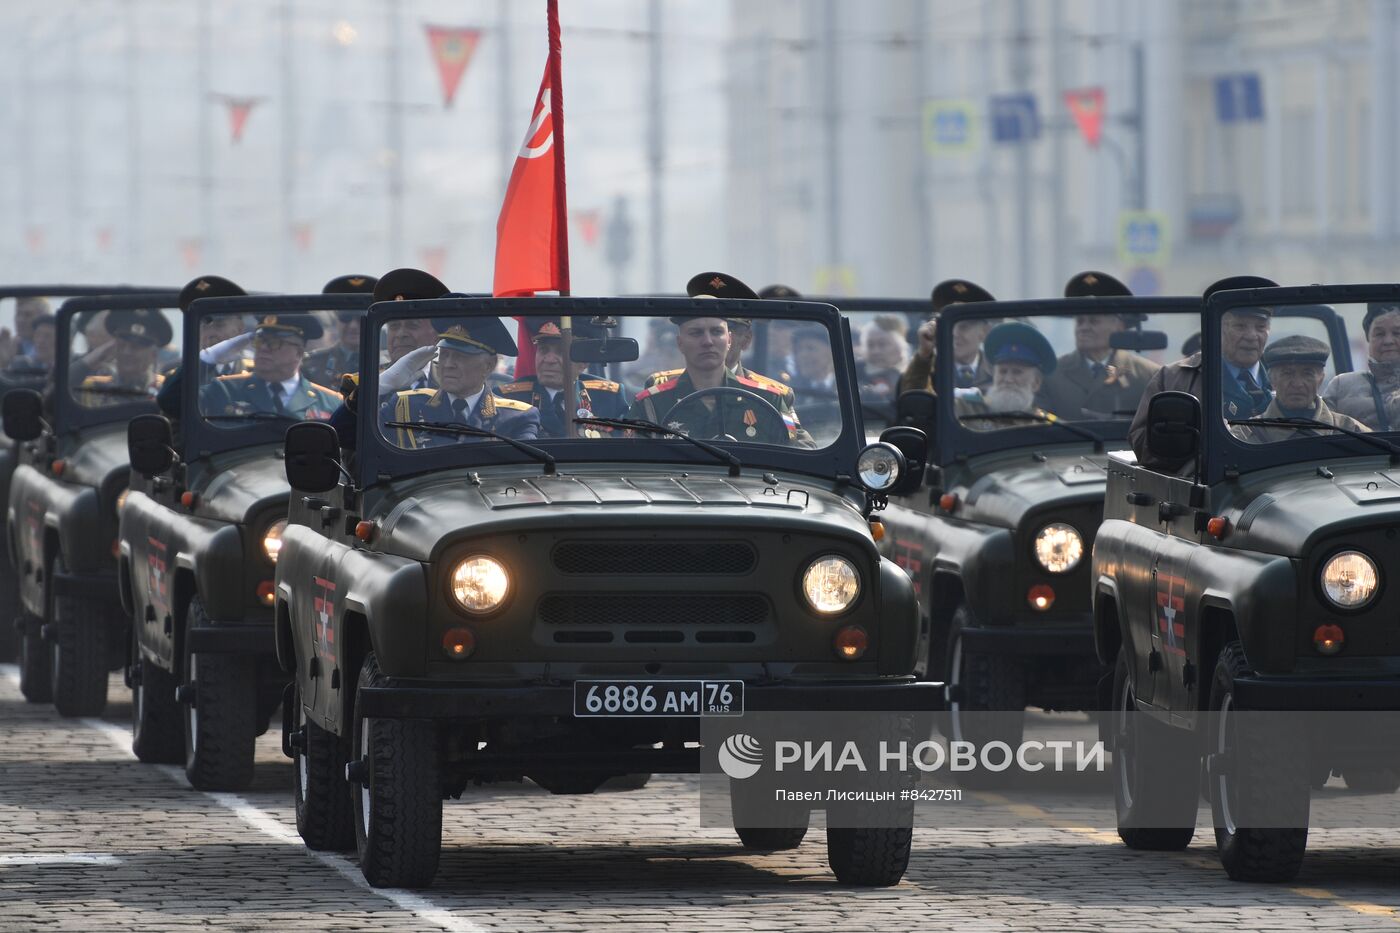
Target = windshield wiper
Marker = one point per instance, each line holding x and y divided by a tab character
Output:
1373	439
641	424
254	416
115	390
1044	416
447	427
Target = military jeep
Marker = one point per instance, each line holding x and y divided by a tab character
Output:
1240	586
466	601
200	535
997	544
67	490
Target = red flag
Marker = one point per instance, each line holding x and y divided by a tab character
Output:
104	238
190	250
588	225
302	234
34	239
453	48
238	110
532	233
1086	105
434	260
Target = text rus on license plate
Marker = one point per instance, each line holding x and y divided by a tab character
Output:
659	698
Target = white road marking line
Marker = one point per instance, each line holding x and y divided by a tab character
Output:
59	858
268	825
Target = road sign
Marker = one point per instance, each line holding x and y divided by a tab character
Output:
1145	281
835	280
1014	118
1239	98
1142	238
1086	105
950	127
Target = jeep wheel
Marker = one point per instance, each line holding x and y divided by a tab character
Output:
874	858
1372	780
9	611
220	712
567	783
1253	775
398	807
763	824
79	653
155	715
325	813
628	781
35	662
1156	774
986	699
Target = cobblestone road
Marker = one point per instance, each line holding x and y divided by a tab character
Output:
91	840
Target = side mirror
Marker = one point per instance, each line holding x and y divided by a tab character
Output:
913	443
23	410
604	350
918	409
312	457
148	444
1138	340
1173	427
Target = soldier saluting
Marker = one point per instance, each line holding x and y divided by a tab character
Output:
125	366
595	396
276	384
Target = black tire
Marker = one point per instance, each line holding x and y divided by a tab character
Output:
873	858
398	810
1156	774
1376	780
763	824
987	700
9	610
156	736
220	725
35	662
628	781
325	811
1255	757
80	653
568	783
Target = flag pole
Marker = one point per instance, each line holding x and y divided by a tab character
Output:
561	212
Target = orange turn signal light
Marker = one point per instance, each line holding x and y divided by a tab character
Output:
1041	596
1218	527
58	466
850	642
459	643
1328	639
266	592
948	501
187	499
877	529
364	530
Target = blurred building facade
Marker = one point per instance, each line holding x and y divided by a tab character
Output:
1256	134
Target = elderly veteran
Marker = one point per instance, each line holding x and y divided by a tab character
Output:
125	366
1097	381
1364	395
1296	366
468	350
1020	359
972	371
276	385
594	396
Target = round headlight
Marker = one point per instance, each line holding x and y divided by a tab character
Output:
1350	580
480	584
879	466
1058	547
272	539
831	584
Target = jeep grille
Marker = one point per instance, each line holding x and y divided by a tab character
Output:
730	558
657	612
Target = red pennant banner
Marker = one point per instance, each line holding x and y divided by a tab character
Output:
238	110
34	239
453	48
589	225
434	260
302	234
190	251
1086	105
104	238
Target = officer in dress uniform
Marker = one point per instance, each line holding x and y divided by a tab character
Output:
276	385
326	366
124	368
1020	359
595	396
704	343
1096	381
216	336
468	350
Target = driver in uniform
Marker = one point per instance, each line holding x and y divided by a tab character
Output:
276	385
753	413
129	359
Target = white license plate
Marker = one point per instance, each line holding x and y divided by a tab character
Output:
684	698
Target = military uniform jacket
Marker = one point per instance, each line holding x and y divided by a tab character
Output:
1269	434
919	375
325	367
1073	391
787	407
245	392
739	420
506	416
595	398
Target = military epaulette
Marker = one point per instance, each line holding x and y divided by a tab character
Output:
755	384
604	385
234	377
100	379
662	376
513	404
516	387
659	387
767	382
407	392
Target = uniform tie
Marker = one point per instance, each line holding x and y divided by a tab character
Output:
276	391
1098	371
966	376
1257	396
459	407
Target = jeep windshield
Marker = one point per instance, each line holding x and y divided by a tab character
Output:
762	382
117	355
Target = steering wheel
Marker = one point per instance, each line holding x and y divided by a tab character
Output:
732	406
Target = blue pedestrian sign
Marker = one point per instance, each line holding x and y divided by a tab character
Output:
1239	98
950	127
1142	238
1014	118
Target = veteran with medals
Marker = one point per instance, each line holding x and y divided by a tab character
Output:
594	396
276	385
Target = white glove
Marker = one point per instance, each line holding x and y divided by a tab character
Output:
405	370
225	350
